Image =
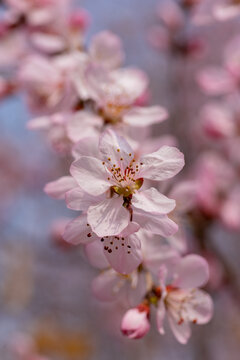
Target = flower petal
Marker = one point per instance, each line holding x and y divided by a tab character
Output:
91	175
161	312
152	201
95	255
82	123
87	146
162	164
191	272
157	224
106	48
123	253
107	285
200	309
78	232
145	116
58	188
77	199
108	217
215	81
181	331
114	147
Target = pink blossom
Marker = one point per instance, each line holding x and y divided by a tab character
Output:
214	177
135	323
40	12
221	80
181	299
114	182
217	120
154	252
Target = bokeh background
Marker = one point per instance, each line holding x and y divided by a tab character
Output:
45	287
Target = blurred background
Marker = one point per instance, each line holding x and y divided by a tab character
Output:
45	285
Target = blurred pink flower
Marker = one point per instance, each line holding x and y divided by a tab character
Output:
181	299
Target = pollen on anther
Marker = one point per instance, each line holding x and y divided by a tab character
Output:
118	150
109	159
130	154
121	159
103	162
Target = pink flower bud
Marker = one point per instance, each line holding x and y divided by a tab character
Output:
79	19
135	323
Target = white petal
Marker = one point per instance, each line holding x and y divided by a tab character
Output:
200	309
82	122
123	253
77	199
95	255
109	217
91	175
157	224
58	188
191	272
162	164
78	232
106	49
114	147
86	146
181	331
145	116
107	285
161	311
152	201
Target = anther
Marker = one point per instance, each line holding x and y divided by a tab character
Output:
89	235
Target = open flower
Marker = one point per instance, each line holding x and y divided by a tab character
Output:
114	183
181	299
117	93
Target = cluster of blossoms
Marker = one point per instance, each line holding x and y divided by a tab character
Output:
220	123
95	111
